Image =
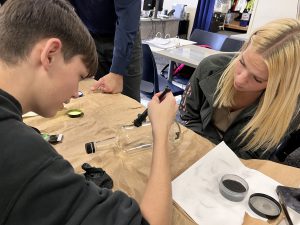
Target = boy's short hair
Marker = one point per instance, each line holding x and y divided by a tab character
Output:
24	23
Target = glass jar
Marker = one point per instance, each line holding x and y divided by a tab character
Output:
131	139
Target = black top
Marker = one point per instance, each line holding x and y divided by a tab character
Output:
39	187
112	18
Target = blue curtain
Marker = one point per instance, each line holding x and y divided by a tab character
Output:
204	13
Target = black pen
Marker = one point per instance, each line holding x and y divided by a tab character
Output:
284	208
141	117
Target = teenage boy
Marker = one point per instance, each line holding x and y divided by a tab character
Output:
45	51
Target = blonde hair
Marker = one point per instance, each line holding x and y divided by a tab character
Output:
278	42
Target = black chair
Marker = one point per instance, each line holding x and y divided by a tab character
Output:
232	45
229	45
152	82
202	37
213	40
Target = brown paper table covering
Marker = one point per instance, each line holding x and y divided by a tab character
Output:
103	114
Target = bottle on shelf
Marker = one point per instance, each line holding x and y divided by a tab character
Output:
244	22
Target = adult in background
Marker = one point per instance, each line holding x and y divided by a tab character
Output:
114	25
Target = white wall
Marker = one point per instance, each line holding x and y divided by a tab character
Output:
267	10
264	11
190	8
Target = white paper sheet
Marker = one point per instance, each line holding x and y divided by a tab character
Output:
294	216
197	189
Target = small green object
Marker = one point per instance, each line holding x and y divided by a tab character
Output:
53	138
45	136
74	113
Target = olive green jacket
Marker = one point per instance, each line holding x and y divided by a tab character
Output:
196	107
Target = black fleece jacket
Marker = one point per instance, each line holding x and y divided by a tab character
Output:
37	186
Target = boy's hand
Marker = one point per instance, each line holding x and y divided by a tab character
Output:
111	83
162	113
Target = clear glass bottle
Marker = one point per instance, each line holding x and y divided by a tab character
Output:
131	139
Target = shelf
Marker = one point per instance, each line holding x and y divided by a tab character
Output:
235	25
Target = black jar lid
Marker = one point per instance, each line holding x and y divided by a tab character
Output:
264	205
90	147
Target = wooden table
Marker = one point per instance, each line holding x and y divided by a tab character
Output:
103	114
